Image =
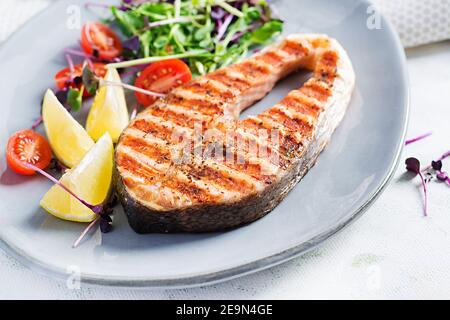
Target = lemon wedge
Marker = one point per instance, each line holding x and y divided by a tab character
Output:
68	139
109	111
90	180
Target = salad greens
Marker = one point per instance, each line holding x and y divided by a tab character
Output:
209	33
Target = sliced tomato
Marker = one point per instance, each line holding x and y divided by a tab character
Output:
27	146
97	36
161	77
62	78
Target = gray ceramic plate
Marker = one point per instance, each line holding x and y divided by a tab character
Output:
347	178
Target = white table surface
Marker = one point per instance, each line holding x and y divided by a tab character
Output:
391	252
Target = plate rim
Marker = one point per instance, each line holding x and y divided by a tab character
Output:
247	268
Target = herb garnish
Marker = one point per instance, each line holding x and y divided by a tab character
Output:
224	31
103	211
413	166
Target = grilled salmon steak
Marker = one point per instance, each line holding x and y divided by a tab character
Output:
188	164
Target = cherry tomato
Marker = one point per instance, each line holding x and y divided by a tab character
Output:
97	36
161	77
62	78
27	146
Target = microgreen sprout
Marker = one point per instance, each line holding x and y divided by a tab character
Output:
433	170
37	123
91	82
103	211
130	87
95	208
416	139
210	34
137	62
413	166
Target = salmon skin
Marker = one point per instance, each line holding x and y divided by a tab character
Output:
188	164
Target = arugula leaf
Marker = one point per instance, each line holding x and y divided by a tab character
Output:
75	98
191	25
129	21
266	32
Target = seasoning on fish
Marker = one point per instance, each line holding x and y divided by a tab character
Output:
188	164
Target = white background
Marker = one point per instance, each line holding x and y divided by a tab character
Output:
391	252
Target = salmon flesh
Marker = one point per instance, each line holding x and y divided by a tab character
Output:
187	163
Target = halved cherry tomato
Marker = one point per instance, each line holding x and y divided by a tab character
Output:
97	36
27	146
62	78
161	77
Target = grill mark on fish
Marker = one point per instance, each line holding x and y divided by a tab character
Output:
269	122
219	177
301	105
294	48
271	58
237	161
252	145
181	120
295	125
192	191
182	184
130	164
252	69
205	107
234	83
156	196
243	170
288	143
223	181
209	90
312	89
161	154
155	129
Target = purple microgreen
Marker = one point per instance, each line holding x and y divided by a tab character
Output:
131	48
75	98
37	123
61	95
95	208
223	28
132	88
81	54
217	13
442	157
442	176
89	79
102	211
104	217
413	165
71	66
132	44
421	137
436	165
85	232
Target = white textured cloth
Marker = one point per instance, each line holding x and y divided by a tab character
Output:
418	21
391	252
